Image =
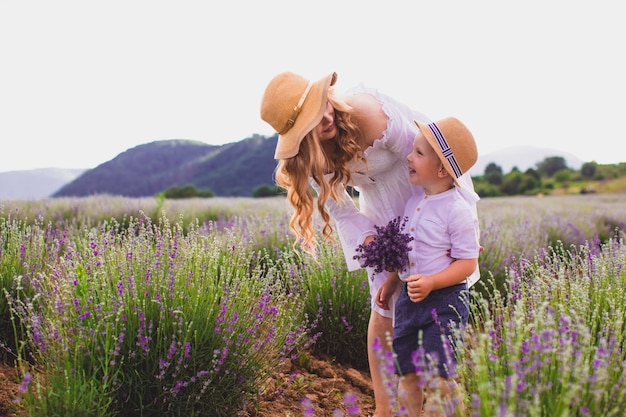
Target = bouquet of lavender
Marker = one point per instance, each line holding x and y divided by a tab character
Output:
387	252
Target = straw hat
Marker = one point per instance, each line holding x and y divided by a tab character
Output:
454	144
293	106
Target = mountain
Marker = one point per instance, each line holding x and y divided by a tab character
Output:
522	157
233	169
36	183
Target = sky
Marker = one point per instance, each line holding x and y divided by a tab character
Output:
83	81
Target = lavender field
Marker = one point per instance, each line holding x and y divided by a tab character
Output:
146	307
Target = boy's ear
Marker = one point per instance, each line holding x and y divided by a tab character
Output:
443	173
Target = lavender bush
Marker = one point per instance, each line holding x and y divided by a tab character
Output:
513	229
554	344
339	299
112	313
148	319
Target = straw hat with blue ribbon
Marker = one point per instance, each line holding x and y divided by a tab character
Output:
453	143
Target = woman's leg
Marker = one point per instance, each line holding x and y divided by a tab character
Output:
380	328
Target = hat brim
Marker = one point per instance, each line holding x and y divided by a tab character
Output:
311	114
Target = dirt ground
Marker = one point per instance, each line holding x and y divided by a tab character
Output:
322	381
9	386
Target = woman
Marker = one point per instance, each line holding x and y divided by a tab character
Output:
329	142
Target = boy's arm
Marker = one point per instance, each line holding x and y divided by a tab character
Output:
419	286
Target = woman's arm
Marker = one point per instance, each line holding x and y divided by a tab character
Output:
369	116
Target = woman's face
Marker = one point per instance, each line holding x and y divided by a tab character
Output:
326	129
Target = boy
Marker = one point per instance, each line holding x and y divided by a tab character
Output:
434	299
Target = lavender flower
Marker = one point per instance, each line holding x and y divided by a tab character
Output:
387	252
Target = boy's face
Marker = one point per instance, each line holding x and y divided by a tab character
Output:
424	164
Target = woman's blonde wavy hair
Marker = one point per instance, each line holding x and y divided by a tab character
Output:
316	161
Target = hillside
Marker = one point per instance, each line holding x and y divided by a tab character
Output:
233	169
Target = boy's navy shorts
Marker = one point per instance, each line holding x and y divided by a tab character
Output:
429	321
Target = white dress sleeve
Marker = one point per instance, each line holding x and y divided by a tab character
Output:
352	225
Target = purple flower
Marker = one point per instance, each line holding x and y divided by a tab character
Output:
388	251
24	384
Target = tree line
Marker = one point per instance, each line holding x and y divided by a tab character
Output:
550	174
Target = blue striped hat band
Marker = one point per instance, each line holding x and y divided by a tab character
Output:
445	149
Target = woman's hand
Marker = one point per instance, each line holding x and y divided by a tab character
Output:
386	291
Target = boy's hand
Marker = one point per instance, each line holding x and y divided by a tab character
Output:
419	286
